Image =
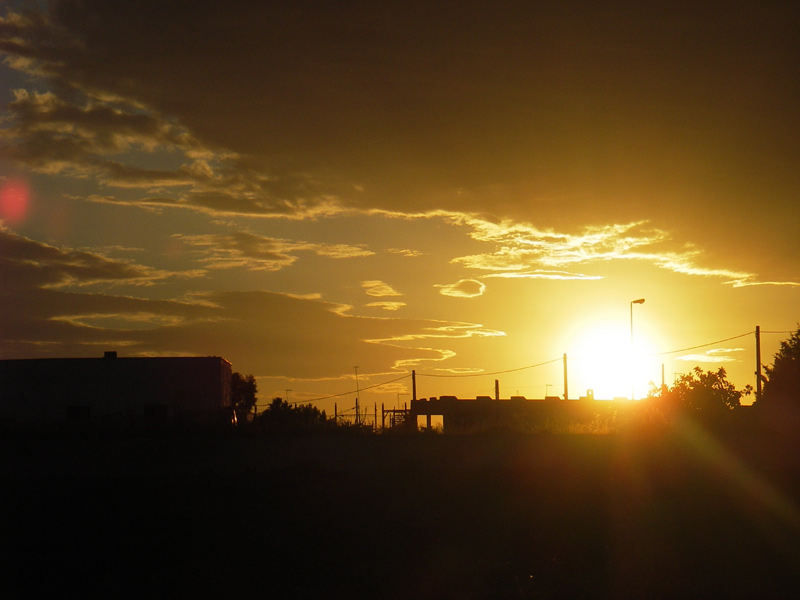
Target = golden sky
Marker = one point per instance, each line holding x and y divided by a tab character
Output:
455	188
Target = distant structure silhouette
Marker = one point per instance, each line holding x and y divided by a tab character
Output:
487	412
108	389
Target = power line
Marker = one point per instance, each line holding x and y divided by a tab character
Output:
493	373
369	387
736	337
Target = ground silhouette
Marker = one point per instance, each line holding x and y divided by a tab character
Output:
613	516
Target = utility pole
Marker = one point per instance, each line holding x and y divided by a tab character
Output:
413	386
497	389
566	387
357	394
758	363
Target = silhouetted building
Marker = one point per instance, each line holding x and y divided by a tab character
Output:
516	412
137	389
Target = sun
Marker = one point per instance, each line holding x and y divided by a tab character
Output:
603	360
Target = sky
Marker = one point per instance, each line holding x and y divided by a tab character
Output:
331	195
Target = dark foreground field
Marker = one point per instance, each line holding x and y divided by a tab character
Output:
685	515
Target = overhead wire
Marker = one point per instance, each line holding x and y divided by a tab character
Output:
735	337
369	387
489	374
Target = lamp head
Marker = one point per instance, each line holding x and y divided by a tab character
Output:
639	301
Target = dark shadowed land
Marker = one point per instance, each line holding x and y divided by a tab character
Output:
431	516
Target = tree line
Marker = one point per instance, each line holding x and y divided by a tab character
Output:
280	416
710	394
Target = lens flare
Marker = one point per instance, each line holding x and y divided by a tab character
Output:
15	196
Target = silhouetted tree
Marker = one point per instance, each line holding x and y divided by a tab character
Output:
706	392
782	387
280	416
243	394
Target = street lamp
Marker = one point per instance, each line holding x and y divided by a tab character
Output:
639	301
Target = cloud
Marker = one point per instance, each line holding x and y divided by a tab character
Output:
25	263
92	124
520	246
49	310
405	252
338	250
378	288
464	288
747	282
392	306
323	139
227	204
717	355
451	330
121	321
543	274
523	251
261	253
42	313
113	142
52	135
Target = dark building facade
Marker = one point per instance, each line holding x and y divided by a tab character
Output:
474	414
111	388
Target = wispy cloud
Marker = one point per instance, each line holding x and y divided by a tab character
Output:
464	288
261	253
523	251
392	306
450	330
405	252
717	355
542	274
31	264
116	141
378	288
121	321
55	135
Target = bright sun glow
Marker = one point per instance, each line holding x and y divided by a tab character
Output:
601	360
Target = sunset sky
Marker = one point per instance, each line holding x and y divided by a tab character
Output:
460	188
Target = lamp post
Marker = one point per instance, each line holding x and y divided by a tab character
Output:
639	301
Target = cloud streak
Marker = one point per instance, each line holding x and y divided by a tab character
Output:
464	288
523	251
241	249
717	355
26	263
378	288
